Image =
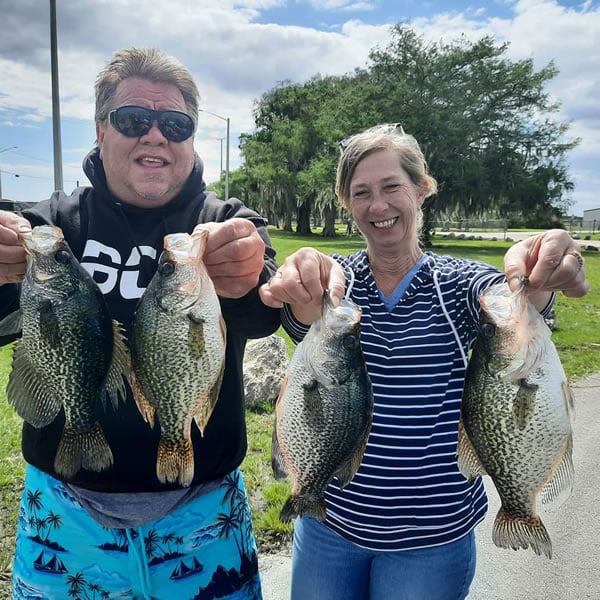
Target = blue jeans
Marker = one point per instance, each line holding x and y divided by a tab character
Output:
325	566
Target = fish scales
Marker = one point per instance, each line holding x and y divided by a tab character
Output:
71	355
324	411
178	353
516	417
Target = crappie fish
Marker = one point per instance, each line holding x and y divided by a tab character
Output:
178	352
324	411
71	356
516	417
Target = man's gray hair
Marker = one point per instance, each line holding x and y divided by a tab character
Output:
145	63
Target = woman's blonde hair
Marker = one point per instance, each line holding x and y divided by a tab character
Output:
383	137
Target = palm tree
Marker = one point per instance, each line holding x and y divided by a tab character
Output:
54	521
34	504
228	524
76	582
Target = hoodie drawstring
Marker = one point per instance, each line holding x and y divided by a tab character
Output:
141	561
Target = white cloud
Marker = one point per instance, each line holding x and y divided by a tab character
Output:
235	57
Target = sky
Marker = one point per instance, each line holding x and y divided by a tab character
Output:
239	49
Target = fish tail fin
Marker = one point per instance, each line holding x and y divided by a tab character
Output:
175	462
296	506
82	449
521	532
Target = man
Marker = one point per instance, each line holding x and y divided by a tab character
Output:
122	531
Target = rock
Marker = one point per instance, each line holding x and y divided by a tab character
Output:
265	363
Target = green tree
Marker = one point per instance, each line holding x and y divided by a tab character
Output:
485	124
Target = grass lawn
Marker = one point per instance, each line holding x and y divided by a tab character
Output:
577	339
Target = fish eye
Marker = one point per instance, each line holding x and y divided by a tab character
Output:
62	257
166	269
350	342
488	330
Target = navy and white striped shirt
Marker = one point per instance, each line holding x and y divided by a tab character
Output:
408	492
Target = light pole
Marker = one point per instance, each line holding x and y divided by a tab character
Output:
226	119
4	150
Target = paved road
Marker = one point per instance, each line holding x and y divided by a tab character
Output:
516	236
574	571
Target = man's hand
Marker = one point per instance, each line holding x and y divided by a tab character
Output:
234	256
12	255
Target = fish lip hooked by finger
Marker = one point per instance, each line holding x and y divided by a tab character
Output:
577	255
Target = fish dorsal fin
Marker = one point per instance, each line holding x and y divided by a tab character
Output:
29	393
468	461
560	485
119	369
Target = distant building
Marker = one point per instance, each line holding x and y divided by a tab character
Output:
591	219
15	206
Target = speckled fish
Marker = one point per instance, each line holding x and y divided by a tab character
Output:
516	417
178	352
324	411
71	356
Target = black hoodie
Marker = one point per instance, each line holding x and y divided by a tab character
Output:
108	237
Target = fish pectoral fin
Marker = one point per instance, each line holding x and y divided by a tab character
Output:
280	470
208	403
569	399
313	406
119	369
524	402
560	485
12	324
144	406
347	471
28	392
196	338
467	458
48	324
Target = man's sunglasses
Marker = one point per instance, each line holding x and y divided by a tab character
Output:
136	121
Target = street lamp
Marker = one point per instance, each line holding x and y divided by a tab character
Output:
4	150
226	119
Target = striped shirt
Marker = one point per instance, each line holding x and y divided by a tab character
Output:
408	492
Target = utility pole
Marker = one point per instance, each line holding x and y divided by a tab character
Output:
58	175
226	119
5	150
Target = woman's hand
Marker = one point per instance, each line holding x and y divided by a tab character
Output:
301	282
552	262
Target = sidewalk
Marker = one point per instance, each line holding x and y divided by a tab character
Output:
507	575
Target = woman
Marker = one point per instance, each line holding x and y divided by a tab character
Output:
404	527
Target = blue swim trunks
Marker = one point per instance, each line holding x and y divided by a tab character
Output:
205	549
